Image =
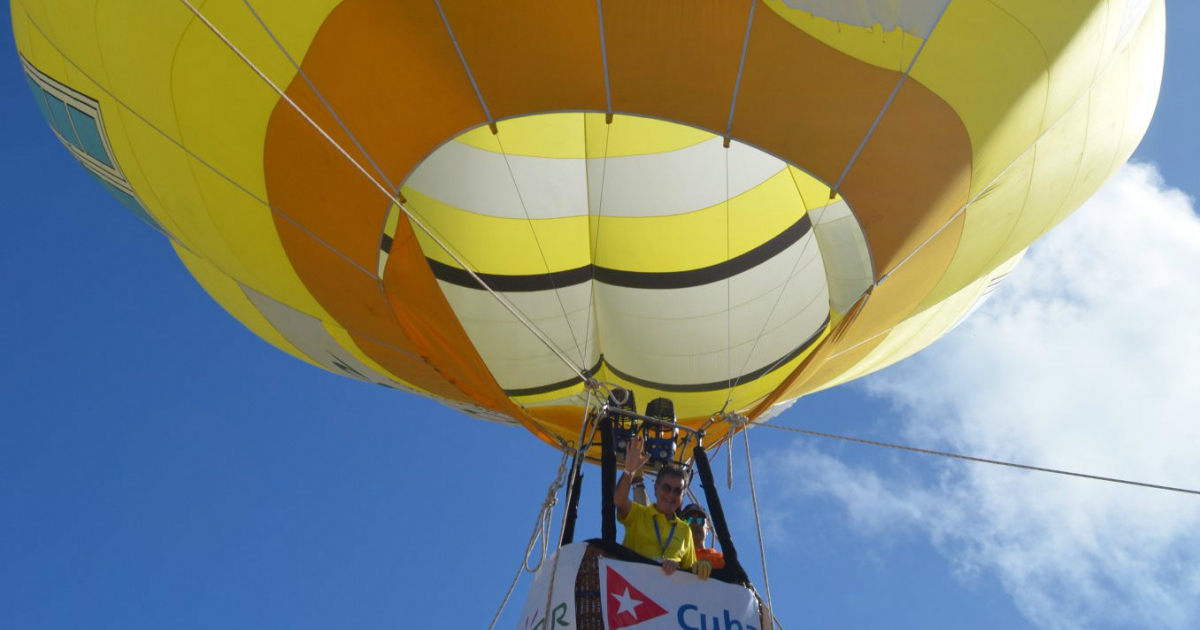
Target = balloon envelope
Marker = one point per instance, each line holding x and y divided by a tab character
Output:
729	204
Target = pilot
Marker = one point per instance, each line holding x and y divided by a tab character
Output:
654	530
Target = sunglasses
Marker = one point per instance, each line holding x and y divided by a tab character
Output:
695	520
669	489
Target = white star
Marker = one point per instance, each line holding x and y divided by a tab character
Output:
628	604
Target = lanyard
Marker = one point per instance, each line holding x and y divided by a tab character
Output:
657	534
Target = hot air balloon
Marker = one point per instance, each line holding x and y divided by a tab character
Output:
539	212
500	205
729	204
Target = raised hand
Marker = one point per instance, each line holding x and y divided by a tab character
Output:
635	455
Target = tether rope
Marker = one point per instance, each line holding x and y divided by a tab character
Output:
762	550
512	309
981	460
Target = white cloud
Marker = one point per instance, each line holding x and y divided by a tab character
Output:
1088	359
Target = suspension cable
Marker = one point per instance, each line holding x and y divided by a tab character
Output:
778	299
987	188
576	463
762	551
332	112
594	236
216	265
981	460
542	252
888	103
508	164
512	309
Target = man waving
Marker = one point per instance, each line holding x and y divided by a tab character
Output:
653	530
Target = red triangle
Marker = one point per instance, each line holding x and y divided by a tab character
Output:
627	606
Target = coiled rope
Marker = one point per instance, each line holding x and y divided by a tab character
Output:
541	531
541	526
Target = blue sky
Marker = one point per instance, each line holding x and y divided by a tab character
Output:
162	467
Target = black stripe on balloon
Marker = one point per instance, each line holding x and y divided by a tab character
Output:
552	387
630	279
680	387
511	284
725	384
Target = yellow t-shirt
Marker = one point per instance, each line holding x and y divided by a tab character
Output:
667	544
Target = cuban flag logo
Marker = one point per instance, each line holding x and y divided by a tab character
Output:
626	605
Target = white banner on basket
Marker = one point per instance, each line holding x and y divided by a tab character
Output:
639	596
562	599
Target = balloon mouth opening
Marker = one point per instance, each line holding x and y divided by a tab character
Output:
646	250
